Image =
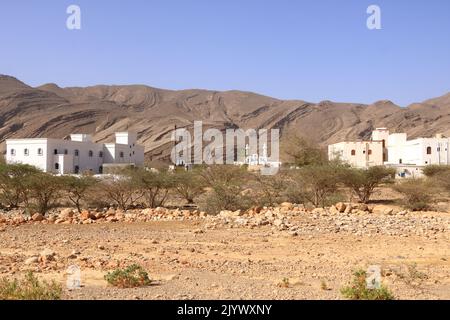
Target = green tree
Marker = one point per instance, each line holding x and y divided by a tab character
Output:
227	184
44	189
153	185
76	188
362	182
319	182
13	183
189	184
302	152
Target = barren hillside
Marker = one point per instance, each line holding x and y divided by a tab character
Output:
51	111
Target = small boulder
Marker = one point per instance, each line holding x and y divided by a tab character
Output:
47	255
37	217
32	260
341	206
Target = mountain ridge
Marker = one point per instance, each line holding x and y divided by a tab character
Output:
53	111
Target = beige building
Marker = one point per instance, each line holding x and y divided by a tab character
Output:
362	154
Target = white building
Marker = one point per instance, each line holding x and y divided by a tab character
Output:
362	154
395	150
418	152
76	155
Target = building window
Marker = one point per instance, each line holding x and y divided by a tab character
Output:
429	150
77	169
56	166
40	152
400	161
66	151
353	152
121	154
13	152
91	153
76	153
26	152
370	151
364	151
100	154
55	151
100	169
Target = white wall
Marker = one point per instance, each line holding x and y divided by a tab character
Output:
366	153
33	158
415	152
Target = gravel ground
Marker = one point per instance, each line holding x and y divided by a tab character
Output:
212	259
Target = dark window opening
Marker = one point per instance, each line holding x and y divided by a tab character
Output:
429	150
353	152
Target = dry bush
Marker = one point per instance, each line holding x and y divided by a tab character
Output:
77	188
270	189
13	184
418	193
44	191
318	183
29	288
153	186
120	190
227	188
189	184
362	182
302	152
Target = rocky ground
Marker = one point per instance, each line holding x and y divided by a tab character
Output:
287	252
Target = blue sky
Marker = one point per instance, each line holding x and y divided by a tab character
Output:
310	50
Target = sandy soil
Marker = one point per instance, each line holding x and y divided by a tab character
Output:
226	263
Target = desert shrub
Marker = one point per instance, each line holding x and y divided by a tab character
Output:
435	170
270	189
130	277
362	182
189	184
44	190
228	189
77	188
417	194
154	186
302	152
13	183
358	289
318	183
29	288
441	181
119	190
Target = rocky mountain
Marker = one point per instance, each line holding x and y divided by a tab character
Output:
52	111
